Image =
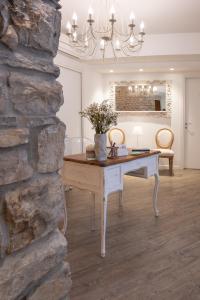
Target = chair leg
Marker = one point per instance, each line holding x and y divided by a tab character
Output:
171	162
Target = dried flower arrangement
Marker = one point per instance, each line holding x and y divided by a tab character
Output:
101	116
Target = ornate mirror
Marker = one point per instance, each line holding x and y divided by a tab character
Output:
141	96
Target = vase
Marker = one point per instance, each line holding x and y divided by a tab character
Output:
100	146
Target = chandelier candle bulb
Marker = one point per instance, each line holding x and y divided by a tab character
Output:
112	12
117	45
90	13
142	27
132	18
74	19
86	42
102	44
75	37
69	28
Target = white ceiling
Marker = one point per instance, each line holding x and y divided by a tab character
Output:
166	64
160	16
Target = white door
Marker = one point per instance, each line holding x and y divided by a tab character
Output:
192	125
69	111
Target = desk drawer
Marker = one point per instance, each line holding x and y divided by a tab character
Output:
113	179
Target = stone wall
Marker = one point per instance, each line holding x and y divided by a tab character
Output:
128	101
32	246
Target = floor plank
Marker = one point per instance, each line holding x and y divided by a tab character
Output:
147	257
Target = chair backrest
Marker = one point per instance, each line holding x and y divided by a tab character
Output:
76	145
116	135
164	138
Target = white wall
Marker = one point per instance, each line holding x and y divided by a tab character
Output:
79	81
92	92
71	79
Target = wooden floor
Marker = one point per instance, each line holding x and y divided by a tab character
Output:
147	258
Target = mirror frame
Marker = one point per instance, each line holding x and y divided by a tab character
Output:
168	84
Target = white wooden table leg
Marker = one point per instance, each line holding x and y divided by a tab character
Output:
155	194
120	212
103	225
93	212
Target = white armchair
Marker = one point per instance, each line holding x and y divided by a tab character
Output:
117	136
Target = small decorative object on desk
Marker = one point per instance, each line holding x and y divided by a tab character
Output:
90	153
122	150
102	117
113	151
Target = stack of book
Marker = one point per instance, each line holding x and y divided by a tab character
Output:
137	151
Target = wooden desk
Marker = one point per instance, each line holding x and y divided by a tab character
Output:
104	178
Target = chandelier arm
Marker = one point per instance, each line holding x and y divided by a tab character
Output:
135	37
113	49
81	50
127	39
132	34
112	31
93	51
92	32
127	36
132	46
124	52
102	32
134	49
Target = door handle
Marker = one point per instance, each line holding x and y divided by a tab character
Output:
187	124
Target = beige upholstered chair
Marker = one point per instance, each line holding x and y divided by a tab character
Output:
164	142
116	135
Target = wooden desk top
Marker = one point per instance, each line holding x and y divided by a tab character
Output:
81	158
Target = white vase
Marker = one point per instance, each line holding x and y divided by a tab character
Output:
100	146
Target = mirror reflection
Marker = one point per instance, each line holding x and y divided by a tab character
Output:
141	97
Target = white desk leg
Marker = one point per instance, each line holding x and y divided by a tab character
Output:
120	212
104	206
155	194
93	212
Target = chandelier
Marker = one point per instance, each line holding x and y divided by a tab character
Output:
107	37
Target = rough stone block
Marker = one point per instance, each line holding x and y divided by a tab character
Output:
55	287
31	95
4	234
10	38
33	210
22	272
44	21
6	122
3	91
51	148
13	137
14	166
31	61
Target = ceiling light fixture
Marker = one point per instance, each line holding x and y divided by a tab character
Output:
142	90
171	69
108	34
141	70
111	71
